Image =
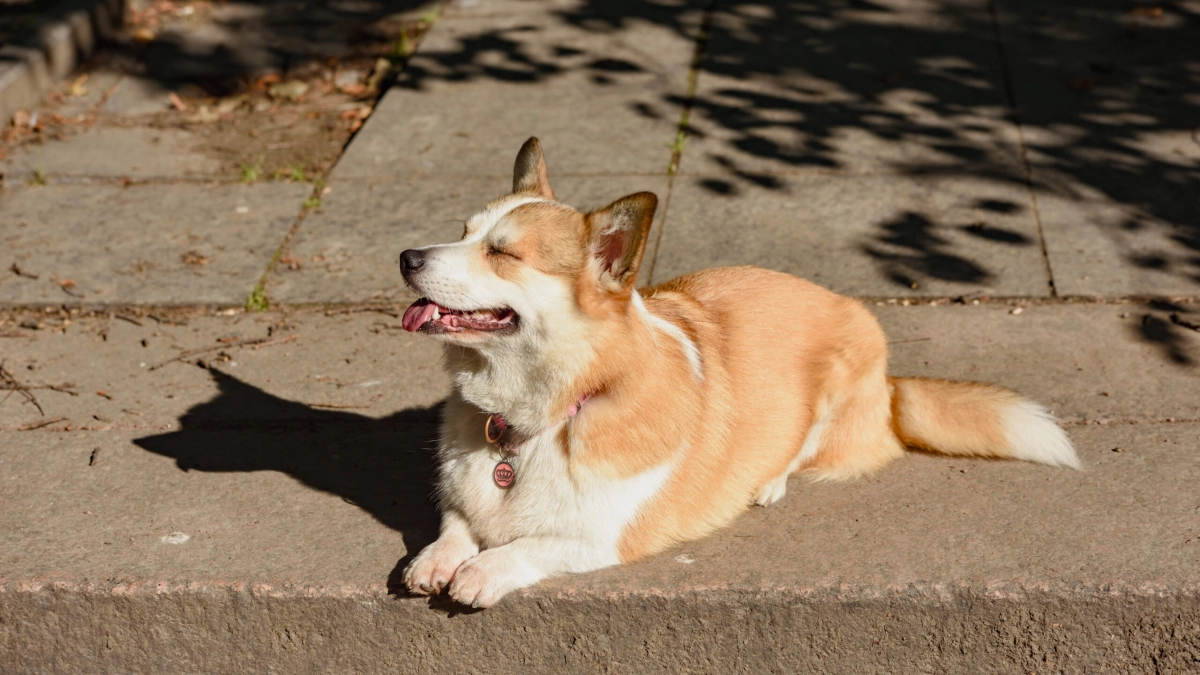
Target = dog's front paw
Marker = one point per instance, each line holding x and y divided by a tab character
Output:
433	568
489	576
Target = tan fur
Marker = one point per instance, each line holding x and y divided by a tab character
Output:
551	241
763	389
953	418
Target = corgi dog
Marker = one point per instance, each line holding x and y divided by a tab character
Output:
593	424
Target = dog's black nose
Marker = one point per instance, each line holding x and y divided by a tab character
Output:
412	260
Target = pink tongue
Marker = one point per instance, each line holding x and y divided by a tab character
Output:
417	314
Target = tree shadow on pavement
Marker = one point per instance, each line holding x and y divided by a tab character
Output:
383	466
1107	97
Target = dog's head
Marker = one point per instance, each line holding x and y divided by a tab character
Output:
527	264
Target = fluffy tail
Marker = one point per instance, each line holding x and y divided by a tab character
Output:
967	418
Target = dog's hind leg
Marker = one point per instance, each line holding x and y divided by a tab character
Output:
859	439
776	488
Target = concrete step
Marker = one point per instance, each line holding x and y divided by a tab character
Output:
253	516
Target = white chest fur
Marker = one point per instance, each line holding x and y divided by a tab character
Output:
551	497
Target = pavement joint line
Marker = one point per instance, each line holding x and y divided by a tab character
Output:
682	129
1011	94
258	300
399	70
95	310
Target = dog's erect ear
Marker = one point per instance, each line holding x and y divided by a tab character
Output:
617	237
529	173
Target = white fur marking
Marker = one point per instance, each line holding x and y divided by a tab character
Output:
776	488
812	442
493	215
1034	435
690	351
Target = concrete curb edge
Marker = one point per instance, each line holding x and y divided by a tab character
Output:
53	50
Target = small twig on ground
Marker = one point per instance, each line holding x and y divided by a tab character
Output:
1180	321
16	269
9	382
38	425
257	343
133	320
335	406
276	341
900	342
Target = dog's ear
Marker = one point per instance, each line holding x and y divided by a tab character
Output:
617	237
529	173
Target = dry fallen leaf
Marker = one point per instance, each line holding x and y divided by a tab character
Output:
67	283
266	80
77	89
194	258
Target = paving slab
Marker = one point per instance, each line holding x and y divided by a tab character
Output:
136	96
611	95
1090	364
290	534
908	87
349	249
860	235
112	153
144	244
92	92
1108	97
280	489
315	365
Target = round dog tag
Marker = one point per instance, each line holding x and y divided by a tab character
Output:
504	474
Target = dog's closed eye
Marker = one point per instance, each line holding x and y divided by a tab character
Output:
496	250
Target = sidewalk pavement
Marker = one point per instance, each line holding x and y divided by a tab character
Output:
1009	185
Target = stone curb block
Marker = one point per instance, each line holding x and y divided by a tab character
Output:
978	628
54	50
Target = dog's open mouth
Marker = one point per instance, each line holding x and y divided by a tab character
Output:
426	315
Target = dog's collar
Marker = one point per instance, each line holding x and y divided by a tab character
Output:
495	427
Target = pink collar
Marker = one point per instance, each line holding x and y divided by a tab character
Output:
496	425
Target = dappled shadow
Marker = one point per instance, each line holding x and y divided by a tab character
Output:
1093	107
909	247
1107	95
220	48
1172	328
383	466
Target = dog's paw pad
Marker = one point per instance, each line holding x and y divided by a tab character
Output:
772	492
432	569
484	579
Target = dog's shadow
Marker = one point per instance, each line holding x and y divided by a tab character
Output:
383	466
